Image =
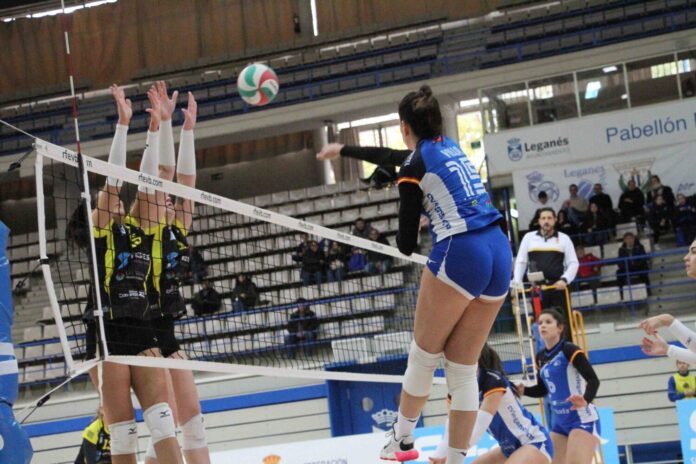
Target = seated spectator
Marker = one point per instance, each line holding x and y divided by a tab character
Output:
572	217
659	217
595	226
576	202
300	248
684	221
543	199
312	264
682	384
602	200
336	263
632	204
303	328
245	295
564	225
378	263
198	269
357	260
361	228
632	269
656	188
588	272
206	301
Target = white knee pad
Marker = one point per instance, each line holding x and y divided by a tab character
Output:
124	437
418	379
150	452
160	421
463	386
193	433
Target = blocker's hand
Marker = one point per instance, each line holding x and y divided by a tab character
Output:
190	113
167	105
656	347
123	105
154	110
330	151
651	324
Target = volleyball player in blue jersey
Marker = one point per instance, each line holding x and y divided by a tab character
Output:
566	376
521	438
467	275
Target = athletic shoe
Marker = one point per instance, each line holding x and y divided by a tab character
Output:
398	450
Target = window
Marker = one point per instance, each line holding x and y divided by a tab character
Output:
686	66
553	99
652	80
602	89
470	129
506	107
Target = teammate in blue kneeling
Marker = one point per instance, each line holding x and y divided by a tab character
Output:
567	377
521	438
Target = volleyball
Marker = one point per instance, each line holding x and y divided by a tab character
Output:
257	84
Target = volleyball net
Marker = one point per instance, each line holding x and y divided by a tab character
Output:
345	316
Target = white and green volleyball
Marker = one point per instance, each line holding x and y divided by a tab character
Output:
257	84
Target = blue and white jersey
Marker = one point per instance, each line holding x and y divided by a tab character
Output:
513	426
454	198
562	380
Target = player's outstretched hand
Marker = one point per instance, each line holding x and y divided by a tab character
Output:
154	110
578	402
330	151
167	105
123	105
654	347
190	113
651	324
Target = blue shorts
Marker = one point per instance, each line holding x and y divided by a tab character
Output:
546	448
478	264
566	423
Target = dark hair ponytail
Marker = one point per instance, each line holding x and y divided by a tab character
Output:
489	359
77	229
421	111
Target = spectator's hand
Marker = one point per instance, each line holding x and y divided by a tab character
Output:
123	105
651	324
330	151
578	402
656	347
190	113
167	105
560	285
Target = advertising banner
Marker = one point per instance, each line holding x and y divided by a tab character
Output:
591	137
686	411
672	163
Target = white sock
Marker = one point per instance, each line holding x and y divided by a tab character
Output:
166	144
149	164
187	154
455	456
404	425
117	153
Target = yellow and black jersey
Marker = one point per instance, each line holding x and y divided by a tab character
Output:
554	256
170	264
96	444
123	264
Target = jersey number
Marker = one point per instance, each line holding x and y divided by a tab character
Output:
135	240
468	176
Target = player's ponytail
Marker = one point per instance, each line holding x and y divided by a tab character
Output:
421	111
489	359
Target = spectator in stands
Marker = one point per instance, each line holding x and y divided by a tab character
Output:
572	216
336	263
659	217
378	263
552	253
564	225
361	228
96	442
682	384
588	271
595	226
312	264
207	300
303	327
245	294
602	200
684	221
632	269
357	260
656	188
543	199
300	248
632	203
576	202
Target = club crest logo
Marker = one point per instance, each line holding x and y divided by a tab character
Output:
537	184
514	149
384	419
